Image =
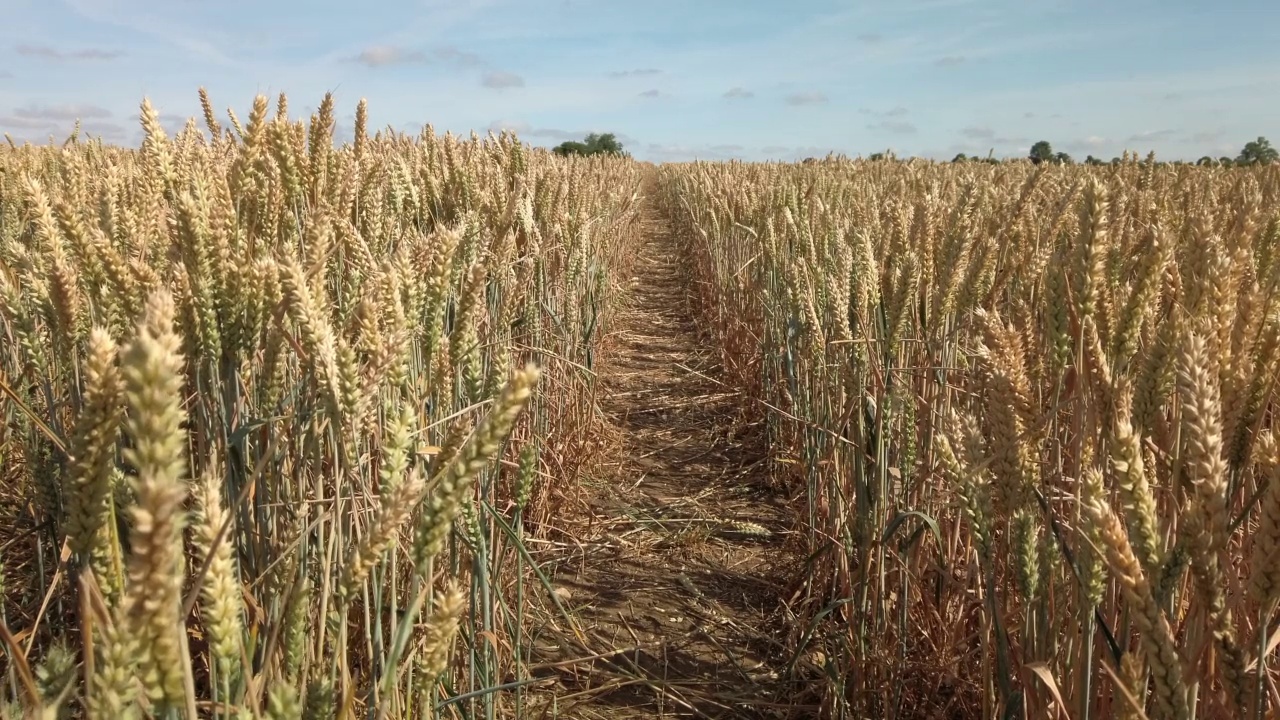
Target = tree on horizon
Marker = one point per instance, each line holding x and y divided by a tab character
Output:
593	144
1257	152
1042	151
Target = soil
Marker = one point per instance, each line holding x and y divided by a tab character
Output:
678	594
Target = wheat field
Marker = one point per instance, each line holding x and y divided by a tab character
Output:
303	401
1028	416
288	427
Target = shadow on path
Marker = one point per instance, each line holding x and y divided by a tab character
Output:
684	574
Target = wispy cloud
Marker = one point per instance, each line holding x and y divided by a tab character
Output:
893	112
1088	144
37	127
799	61
206	40
499	80
890	121
554	134
1152	135
526	131
451	54
654	93
1246	84
806	98
988	136
50	53
175	123
637	72
794	152
390	55
515	126
896	127
14	122
61	112
107	130
385	55
660	152
1206	136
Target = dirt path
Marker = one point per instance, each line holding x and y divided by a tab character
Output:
685	568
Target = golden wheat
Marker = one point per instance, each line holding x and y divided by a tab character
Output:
305	327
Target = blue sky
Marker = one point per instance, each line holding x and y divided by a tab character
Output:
674	80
